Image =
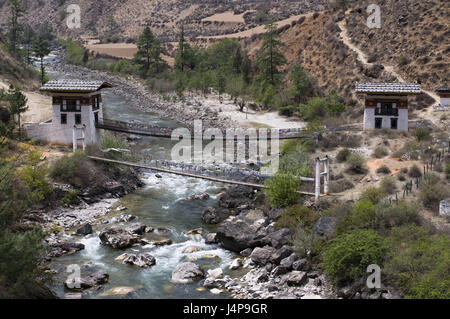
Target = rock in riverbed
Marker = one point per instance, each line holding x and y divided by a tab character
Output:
141	260
186	272
118	238
84	230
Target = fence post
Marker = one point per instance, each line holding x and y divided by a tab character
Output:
327	175
317	188
74	138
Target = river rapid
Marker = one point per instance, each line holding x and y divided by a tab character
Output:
162	202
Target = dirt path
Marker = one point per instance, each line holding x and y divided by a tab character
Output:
256	30
362	57
39	106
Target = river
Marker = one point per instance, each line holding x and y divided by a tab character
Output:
162	202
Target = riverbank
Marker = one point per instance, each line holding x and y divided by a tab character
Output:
214	111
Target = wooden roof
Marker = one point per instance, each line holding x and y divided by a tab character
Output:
443	89
74	86
387	88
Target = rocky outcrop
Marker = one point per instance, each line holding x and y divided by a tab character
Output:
118	238
247	230
186	272
262	256
236	196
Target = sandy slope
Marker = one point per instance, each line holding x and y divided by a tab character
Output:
39	106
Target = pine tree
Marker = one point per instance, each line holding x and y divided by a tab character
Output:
17	103
28	37
301	85
17	11
41	49
149	51
269	57
180	60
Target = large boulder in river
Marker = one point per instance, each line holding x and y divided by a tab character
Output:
186	272
210	216
118	238
235	196
93	280
141	260
237	233
86	229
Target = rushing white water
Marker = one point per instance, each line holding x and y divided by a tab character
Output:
162	202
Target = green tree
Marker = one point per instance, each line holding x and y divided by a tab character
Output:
17	103
15	28
301	85
41	49
269	57
183	47
46	31
282	189
28	38
149	52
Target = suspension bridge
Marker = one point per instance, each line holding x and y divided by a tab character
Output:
167	168
166	132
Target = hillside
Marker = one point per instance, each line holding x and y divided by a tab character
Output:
14	72
317	43
201	17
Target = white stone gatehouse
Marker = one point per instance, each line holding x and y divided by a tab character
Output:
386	104
77	107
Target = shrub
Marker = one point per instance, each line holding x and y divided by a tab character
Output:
302	241
383	170
346	258
419	262
401	177
292	215
432	191
447	171
34	178
395	215
67	167
415	172
70	198
282	189
356	164
288	110
422	134
380	152
343	155
373	194
340	186
389	184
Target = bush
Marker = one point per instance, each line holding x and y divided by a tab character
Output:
415	172
389	184
340	186
343	155
383	170
422	134
288	110
401	177
356	164
282	189
302	241
419	263
292	215
346	258
447	171
66	168
373	194
432	191
395	215
380	152
70	198
34	178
